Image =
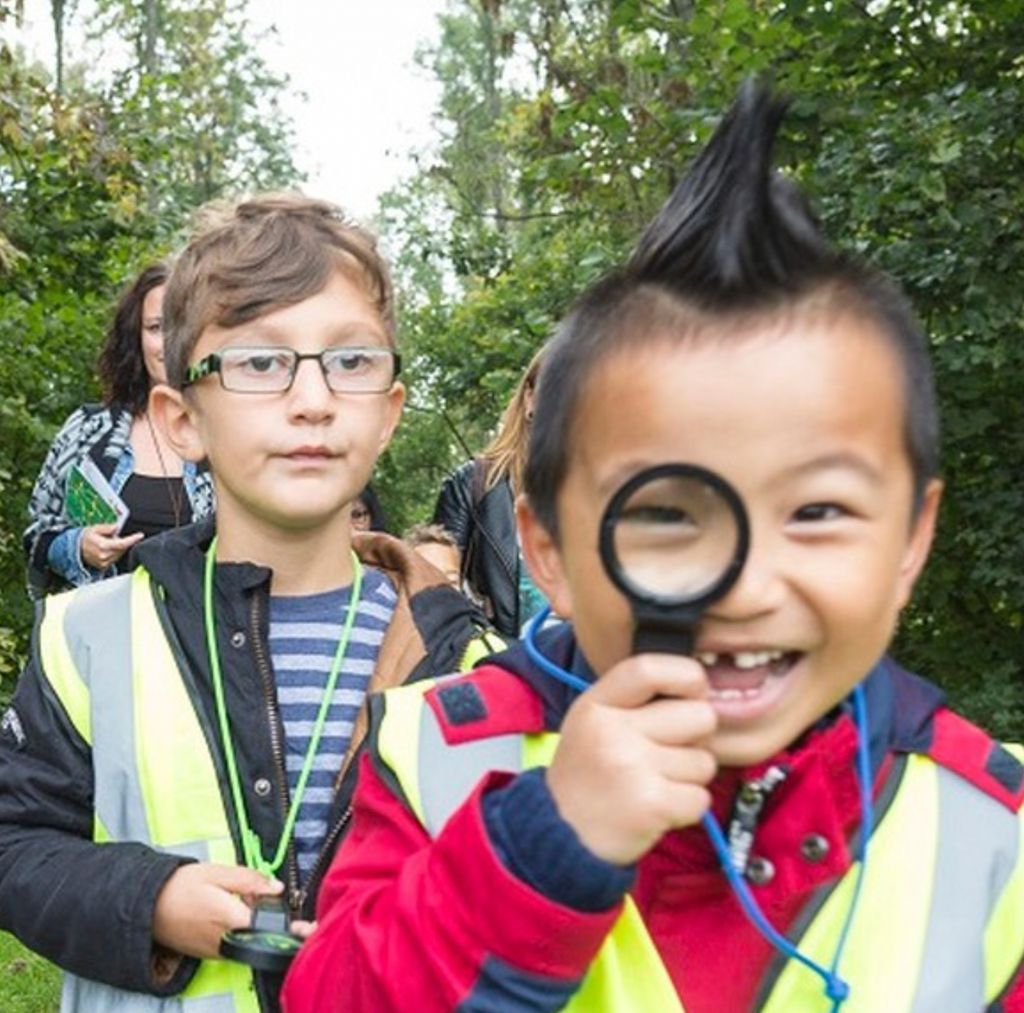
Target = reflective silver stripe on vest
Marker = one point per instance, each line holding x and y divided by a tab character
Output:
964	891
463	766
100	622
82	996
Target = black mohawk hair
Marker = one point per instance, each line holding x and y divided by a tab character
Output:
734	230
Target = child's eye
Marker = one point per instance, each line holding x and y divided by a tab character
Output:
348	361
820	512
656	515
262	363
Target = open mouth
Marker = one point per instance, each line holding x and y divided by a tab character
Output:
744	675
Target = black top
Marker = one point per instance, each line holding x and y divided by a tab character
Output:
151	503
484	527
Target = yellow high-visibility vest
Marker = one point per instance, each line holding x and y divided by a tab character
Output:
939	926
105	653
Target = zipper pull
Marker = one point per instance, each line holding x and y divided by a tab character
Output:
746	812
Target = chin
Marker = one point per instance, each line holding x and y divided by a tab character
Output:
739	749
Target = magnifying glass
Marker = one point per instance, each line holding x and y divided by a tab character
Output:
266	945
673	539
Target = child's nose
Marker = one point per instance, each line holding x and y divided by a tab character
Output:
309	391
759	589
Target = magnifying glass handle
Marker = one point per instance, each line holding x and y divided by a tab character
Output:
650	639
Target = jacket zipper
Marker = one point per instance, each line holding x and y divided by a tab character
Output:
325	850
274	720
746	813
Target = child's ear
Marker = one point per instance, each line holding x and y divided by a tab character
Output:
920	542
543	559
170	410
395	399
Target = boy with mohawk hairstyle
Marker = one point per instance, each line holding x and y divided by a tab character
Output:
181	741
521	845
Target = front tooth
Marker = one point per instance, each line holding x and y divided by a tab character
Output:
751	659
707	658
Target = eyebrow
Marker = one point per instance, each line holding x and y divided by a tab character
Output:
340	333
840	460
611	483
836	461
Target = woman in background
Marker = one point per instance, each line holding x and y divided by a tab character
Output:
367	513
159	489
477	506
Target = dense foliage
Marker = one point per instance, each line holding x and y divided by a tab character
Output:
96	178
564	123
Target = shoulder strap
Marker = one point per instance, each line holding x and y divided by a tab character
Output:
478	490
478	483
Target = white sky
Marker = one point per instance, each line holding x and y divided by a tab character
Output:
366	104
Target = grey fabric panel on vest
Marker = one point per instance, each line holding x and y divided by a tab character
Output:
87	624
448	774
82	996
952	972
199	850
209	1004
98	623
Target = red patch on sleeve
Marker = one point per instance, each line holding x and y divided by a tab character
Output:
510	706
968	751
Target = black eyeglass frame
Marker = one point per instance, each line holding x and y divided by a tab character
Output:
210	364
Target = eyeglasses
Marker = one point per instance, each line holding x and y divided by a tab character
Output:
272	370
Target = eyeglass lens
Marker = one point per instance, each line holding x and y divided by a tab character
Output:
346	370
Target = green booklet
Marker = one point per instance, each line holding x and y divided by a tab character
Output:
90	499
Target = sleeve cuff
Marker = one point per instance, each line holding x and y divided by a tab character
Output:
65	558
537	846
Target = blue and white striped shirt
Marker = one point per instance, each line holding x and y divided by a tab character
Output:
304	635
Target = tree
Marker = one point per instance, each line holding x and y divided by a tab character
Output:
96	180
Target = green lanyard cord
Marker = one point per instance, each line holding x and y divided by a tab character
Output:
252	847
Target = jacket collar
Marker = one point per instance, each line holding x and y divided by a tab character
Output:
426	609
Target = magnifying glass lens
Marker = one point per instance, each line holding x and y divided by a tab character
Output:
675	536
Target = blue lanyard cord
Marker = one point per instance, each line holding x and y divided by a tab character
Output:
836	989
544	664
867	822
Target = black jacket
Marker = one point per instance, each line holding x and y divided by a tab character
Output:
89	908
484	526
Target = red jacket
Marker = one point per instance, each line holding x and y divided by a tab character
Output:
406	923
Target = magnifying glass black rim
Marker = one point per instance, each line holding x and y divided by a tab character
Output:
611	561
260	949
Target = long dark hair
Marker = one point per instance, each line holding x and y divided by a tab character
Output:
121	366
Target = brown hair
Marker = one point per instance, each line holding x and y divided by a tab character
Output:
505	455
261	253
429	534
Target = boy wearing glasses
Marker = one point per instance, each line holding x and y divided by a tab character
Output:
181	741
